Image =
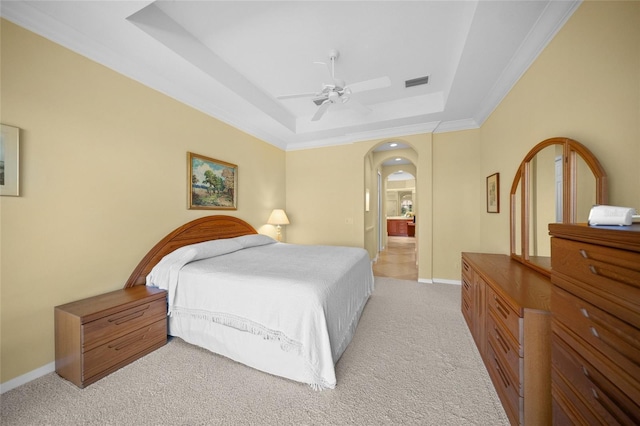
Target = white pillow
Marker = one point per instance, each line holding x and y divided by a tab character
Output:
254	240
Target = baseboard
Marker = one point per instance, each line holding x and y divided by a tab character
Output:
443	281
438	281
26	378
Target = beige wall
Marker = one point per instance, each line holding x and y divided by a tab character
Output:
103	178
458	200
586	86
326	192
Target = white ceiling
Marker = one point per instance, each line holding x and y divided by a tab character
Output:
231	59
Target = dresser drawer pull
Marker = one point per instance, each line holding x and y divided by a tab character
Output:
500	307
606	403
129	317
503	344
593	269
125	343
584	254
620	414
594	332
465	284
584	312
503	377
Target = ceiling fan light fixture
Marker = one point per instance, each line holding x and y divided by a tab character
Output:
338	91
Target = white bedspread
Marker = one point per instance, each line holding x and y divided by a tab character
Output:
308	298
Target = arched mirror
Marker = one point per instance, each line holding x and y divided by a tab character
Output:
558	181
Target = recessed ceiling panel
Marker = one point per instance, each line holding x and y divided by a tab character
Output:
233	59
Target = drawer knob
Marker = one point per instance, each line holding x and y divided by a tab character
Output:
595	332
584	312
584	254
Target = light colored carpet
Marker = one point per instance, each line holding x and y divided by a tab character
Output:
412	361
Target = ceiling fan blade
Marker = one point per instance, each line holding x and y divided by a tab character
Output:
357	106
321	110
376	83
297	95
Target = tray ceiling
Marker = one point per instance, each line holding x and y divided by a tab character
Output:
232	59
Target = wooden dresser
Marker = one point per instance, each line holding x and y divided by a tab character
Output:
506	306
596	324
96	336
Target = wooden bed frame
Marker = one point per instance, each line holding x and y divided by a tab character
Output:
199	230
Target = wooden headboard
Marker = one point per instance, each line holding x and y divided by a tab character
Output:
196	231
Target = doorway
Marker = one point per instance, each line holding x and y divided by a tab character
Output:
398	259
391	174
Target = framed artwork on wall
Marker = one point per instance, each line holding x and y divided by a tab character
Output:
9	160
212	184
493	193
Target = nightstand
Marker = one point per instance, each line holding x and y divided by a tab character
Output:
98	335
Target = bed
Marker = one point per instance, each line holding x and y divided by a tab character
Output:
286	309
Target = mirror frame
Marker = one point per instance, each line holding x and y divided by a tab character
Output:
571	151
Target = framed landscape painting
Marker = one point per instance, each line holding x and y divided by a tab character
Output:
9	160
213	184
493	193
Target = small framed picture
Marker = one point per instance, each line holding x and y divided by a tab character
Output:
493	193
9	160
212	184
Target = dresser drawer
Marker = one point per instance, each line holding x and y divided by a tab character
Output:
616	339
505	386
566	409
585	385
118	324
505	314
467	287
467	311
467	271
608	278
506	348
111	353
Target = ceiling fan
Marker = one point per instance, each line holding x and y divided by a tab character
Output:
338	92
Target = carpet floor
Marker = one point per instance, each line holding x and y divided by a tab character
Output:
412	362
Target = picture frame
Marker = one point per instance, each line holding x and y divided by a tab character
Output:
9	160
212	184
493	193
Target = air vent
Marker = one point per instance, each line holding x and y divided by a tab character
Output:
417	81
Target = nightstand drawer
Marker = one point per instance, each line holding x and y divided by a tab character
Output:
118	350
113	326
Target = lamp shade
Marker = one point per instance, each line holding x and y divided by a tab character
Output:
278	217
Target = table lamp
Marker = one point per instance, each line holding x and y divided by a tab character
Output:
278	217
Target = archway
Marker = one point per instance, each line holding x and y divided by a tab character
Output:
381	162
